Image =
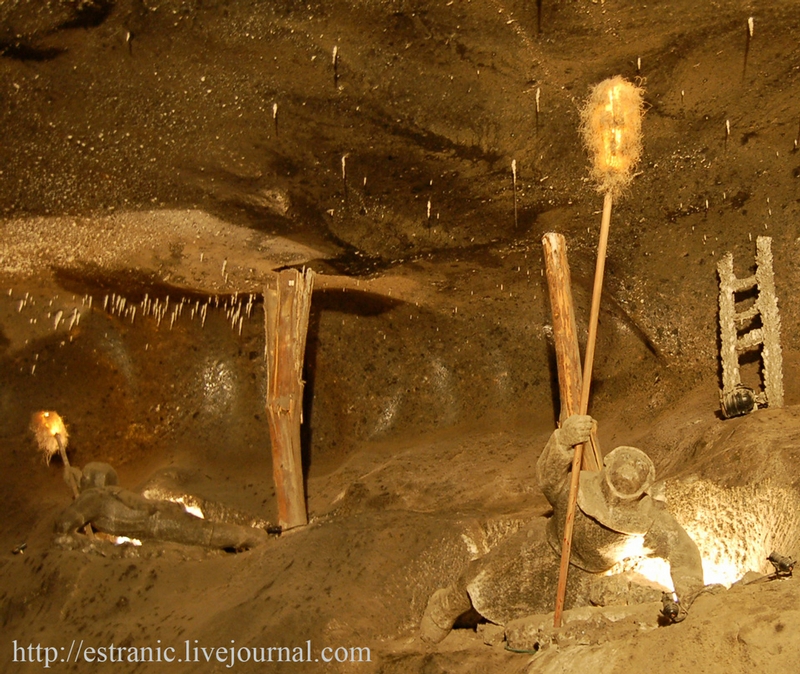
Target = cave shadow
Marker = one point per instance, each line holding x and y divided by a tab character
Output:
555	390
335	300
132	284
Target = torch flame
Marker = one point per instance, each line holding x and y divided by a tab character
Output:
48	427
54	423
612	129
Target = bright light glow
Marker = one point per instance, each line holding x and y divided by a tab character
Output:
48	428
735	529
612	136
636	562
190	508
190	503
612	129
54	423
117	540
656	570
650	571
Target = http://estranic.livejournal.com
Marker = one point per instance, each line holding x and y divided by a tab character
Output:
187	651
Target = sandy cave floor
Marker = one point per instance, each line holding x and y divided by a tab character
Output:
187	149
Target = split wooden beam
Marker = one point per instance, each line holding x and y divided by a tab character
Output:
565	336
287	302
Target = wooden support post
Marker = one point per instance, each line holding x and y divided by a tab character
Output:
286	311
568	356
565	335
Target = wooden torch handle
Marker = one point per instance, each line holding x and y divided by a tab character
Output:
566	544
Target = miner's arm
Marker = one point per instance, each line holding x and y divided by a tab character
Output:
82	510
669	540
553	467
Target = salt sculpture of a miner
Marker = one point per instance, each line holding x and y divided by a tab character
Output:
120	512
616	519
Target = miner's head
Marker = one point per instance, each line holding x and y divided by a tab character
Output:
97	475
627	473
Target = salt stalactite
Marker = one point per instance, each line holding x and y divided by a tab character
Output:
514	181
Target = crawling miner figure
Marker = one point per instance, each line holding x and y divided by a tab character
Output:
119	512
616	519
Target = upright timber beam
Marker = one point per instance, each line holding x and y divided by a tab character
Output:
287	302
568	355
565	335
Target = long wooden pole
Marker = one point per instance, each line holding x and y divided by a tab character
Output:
68	476
569	522
597	291
286	309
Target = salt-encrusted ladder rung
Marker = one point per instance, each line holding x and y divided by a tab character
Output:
749	340
739	285
748	314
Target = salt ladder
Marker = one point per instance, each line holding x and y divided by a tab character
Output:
767	336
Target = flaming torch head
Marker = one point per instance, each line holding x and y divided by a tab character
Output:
612	131
48	428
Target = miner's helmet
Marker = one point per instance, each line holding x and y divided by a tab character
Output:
628	472
97	474
617	495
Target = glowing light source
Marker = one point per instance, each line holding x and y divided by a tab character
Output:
611	126
48	427
637	562
735	529
190	503
190	508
